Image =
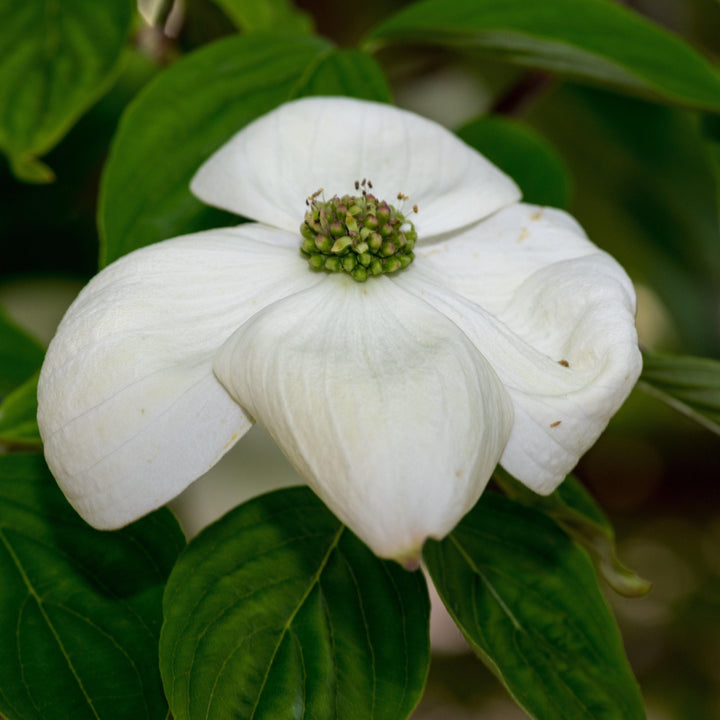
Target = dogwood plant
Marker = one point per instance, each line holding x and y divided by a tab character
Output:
395	318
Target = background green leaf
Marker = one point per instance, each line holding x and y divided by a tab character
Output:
252	15
524	155
56	59
526	598
80	610
575	510
191	109
18	416
691	385
277	611
593	39
20	355
348	72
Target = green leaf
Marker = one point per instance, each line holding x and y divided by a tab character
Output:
20	355
597	40
179	120
524	155
575	510
80	610
526	598
277	611
350	72
56	58
690	385
18	416
253	15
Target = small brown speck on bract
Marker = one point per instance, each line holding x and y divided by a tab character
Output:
556	423
564	363
523	234
536	215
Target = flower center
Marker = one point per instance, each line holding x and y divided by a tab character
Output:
358	235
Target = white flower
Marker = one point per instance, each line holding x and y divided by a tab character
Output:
510	338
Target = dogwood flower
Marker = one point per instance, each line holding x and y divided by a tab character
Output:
395	318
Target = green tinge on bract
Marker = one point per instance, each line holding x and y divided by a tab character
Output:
358	235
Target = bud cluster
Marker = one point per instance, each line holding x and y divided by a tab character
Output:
358	235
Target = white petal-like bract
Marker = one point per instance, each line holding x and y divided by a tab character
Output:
128	406
266	171
386	409
554	316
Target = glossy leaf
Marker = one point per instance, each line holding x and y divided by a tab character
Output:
191	109
691	385
526	598
20	355
252	15
277	611
18	416
56	59
524	155
597	40
575	510
80	610
348	72
178	121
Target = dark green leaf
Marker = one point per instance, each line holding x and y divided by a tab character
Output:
191	109
252	15
526	598
524	155
594	39
20	356
575	510
350	72
56	59
179	120
691	385
277	611
80	610
18	416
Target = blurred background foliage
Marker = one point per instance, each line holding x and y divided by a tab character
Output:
642	178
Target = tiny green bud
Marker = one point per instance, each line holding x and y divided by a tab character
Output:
323	243
348	262
317	261
351	223
359	274
391	264
332	263
375	242
387	249
341	245
406	259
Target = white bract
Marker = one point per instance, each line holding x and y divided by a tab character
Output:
509	339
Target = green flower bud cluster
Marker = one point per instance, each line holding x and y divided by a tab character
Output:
358	235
